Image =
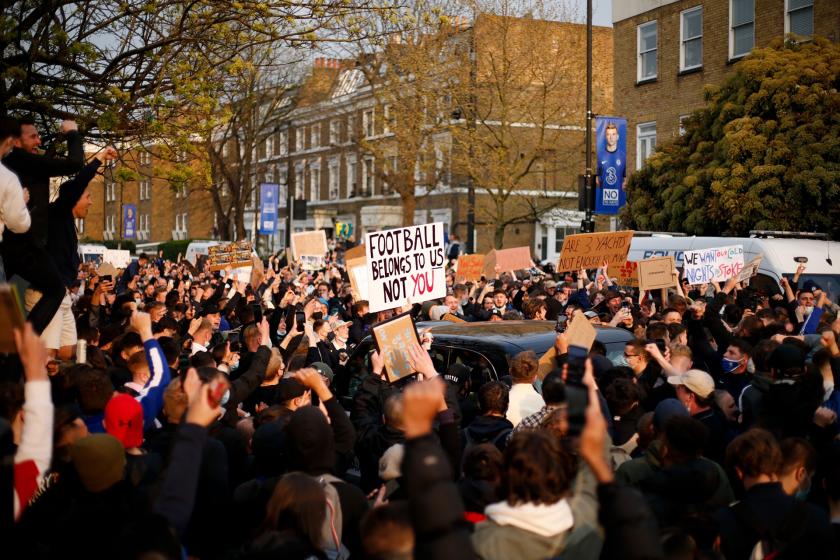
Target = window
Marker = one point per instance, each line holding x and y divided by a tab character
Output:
367	123
333	179
145	158
647	51
299	144
799	17
391	175
352	170
741	27
645	142
315	179
691	33
335	131
367	178
184	221
351	128
281	146
682	124
299	184
262	149
560	233
269	146
315	139
145	189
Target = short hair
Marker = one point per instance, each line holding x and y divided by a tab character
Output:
219	352
166	322
9	126
142	257
639	347
483	461
761	352
393	410
536	469
657	330
170	349
95	390
681	350
493	397
797	451
359	305
250	332
553	388
742	345
275	362
675	330
524	366
755	452
175	401
202	360
685	438
496	292
387	532
622	394
137	362
611	125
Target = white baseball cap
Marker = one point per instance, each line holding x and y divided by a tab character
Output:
698	382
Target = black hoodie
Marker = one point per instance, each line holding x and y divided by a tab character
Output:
488	429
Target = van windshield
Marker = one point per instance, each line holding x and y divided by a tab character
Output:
829	283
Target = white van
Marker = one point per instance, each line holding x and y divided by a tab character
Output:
90	252
196	248
779	251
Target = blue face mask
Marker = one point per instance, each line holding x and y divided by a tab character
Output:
802	493
225	398
729	365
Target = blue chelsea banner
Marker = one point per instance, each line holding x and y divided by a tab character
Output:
611	173
129	221
268	208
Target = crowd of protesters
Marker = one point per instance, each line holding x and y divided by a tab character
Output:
217	415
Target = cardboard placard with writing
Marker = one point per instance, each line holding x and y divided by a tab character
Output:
580	332
590	250
405	264
107	269
715	264
355	262
625	275
452	318
506	260
750	269
357	252
118	258
309	243
393	338
234	255
312	263
470	268
547	363
656	273
11	317
257	272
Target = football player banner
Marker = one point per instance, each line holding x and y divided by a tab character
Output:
611	171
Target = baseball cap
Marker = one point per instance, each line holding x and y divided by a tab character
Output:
698	382
590	314
549	284
289	388
99	460
124	420
665	410
811	286
785	357
325	370
339	324
457	374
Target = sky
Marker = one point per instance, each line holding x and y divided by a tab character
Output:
601	11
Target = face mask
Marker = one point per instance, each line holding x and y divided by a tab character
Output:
225	398
729	365
621	361
807	310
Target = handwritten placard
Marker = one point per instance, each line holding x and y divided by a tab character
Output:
717	264
506	260
355	262
590	250
750	269
118	258
580	332
312	262
656	273
405	264
393	339
309	243
626	274
470	268
234	255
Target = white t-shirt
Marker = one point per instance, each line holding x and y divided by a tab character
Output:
13	212
523	402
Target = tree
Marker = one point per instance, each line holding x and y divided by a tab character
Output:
521	143
411	59
764	153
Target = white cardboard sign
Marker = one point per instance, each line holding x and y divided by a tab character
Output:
405	264
118	258
713	265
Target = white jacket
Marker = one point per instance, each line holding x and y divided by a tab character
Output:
524	401
13	212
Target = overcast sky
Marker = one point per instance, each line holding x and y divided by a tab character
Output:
601	11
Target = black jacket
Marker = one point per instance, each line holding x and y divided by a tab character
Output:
488	429
630	530
34	172
62	241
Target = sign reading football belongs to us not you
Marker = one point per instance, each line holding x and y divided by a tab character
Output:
405	265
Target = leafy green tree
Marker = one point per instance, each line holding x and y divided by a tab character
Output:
763	154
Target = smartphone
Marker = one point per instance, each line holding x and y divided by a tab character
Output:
660	344
625	304
218	387
577	394
560	325
300	318
107	278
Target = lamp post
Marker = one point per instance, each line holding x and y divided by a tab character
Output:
588	224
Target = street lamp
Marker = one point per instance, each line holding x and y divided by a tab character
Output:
588	224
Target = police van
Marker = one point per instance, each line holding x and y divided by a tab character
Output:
781	253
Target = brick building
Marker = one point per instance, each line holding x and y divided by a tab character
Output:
320	149
666	51
164	212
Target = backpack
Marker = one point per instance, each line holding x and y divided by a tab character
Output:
774	543
500	441
331	530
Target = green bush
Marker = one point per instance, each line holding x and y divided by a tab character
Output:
172	248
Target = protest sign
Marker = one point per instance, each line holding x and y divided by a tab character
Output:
257	272
119	259
580	332
590	250
717	264
107	269
506	260
234	255
343	230
355	262
656	273
470	268
750	269
452	318
11	317
405	264
547	363
309	243
625	275
393	339
312	262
